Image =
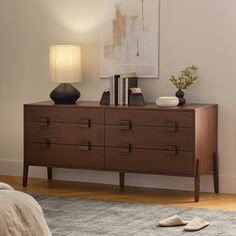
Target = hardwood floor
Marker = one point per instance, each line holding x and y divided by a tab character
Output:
130	194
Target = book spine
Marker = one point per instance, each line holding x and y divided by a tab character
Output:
120	91
123	91
126	91
113	95
111	90
116	92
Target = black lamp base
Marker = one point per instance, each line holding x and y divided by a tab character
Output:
65	94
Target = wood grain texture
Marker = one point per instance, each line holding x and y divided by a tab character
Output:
143	139
64	133
149	137
197	181
153	161
130	194
56	155
60	113
122	181
216	173
149	118
147	106
49	172
206	138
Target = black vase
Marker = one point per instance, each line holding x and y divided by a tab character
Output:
180	95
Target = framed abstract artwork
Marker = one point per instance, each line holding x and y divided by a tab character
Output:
130	38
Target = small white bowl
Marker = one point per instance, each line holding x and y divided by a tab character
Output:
170	101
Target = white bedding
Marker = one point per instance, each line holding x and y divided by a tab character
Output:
20	214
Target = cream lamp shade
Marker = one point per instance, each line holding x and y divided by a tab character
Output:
65	64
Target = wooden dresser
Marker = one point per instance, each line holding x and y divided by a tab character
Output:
179	141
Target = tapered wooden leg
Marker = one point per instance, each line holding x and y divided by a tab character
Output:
216	172
197	182
49	170
25	174
122	180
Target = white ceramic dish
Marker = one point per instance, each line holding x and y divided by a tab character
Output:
167	101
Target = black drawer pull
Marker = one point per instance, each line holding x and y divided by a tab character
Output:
85	123
125	148
44	122
44	143
84	145
170	127
125	125
170	150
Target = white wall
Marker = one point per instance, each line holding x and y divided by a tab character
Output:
202	32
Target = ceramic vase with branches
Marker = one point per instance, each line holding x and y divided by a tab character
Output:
186	79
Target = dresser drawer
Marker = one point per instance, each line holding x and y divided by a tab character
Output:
150	161
64	133
55	113
64	155
150	117
149	137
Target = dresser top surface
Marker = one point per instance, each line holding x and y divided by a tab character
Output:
148	106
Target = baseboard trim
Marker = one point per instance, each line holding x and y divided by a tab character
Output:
227	183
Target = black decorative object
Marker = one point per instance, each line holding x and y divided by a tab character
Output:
65	93
105	99
136	97
180	95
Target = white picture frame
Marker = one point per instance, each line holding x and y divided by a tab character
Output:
130	38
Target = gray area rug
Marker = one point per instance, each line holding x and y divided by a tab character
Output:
74	216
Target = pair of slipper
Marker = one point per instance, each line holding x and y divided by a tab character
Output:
194	225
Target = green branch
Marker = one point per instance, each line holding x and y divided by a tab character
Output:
186	78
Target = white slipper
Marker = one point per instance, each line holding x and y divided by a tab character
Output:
196	224
172	221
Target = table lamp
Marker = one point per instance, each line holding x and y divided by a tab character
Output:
65	68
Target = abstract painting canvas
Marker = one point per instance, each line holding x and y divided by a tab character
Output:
129	38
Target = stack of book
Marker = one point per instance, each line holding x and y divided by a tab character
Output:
120	86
